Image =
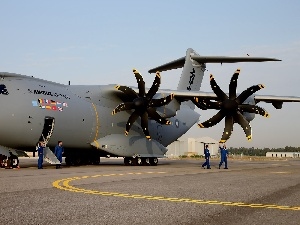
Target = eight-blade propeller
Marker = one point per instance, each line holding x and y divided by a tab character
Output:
143	103
231	107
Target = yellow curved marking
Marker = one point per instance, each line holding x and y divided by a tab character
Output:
97	125
64	184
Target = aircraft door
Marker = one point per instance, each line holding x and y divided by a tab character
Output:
48	129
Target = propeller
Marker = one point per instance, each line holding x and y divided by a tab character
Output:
231	107
143	103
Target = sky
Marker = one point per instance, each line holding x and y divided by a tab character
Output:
99	42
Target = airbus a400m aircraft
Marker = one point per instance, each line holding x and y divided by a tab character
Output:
113	120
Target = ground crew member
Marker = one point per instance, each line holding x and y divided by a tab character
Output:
12	161
58	151
207	156
224	154
41	154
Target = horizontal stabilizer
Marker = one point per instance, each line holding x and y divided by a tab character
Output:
178	63
227	59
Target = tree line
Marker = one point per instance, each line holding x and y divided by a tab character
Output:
261	151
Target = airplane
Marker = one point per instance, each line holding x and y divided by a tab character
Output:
136	123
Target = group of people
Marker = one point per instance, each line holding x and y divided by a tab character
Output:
58	152
223	153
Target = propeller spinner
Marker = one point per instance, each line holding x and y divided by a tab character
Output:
143	103
231	107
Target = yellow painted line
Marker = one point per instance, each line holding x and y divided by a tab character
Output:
64	184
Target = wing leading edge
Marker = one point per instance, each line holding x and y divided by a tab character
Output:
181	95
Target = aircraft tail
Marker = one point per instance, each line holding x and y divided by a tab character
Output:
192	73
194	66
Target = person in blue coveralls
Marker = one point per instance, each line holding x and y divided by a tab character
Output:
41	154
207	156
224	154
58	152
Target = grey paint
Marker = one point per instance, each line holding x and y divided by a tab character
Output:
86	120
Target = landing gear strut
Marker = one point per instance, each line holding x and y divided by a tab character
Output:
77	159
140	161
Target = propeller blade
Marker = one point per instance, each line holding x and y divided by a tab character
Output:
130	121
228	129
144	124
154	115
154	87
254	109
212	121
140	81
217	90
199	103
123	107
233	84
212	105
248	92
161	101
240	119
128	91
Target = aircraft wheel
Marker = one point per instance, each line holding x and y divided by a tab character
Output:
153	161
127	161
139	161
145	162
134	161
77	161
96	161
69	161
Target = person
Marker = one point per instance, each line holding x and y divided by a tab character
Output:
207	156
12	161
41	154
58	151
224	154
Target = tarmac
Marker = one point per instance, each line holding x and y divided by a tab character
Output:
174	192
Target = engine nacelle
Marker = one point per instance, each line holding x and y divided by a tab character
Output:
249	116
169	110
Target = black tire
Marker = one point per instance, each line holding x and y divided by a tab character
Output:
134	161
153	161
145	161
127	161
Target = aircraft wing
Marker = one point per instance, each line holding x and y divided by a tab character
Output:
276	101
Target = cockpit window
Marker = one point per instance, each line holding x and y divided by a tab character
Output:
3	90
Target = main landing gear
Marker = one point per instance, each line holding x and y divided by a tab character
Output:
140	161
78	160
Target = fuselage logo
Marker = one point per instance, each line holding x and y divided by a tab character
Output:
191	81
49	93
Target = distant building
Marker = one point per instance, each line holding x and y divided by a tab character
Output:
192	146
283	154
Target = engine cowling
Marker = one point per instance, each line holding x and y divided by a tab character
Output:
249	101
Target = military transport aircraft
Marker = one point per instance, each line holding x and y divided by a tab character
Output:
91	119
